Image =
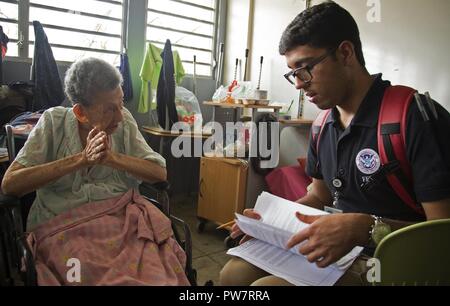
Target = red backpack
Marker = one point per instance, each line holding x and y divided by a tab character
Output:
391	141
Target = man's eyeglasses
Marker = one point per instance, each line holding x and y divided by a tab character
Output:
304	73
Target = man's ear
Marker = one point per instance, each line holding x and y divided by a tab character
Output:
346	52
80	113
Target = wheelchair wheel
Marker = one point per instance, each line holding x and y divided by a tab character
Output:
201	225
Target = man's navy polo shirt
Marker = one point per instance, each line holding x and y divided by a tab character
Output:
342	151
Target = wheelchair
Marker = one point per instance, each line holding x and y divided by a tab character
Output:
17	266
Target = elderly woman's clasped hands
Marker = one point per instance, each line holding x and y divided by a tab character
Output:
97	147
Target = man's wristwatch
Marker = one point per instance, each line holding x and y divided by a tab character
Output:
378	231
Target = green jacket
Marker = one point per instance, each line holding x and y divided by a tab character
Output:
150	71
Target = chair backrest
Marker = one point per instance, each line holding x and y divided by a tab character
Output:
416	255
14	142
10	142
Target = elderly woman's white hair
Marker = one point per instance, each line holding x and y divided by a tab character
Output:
88	76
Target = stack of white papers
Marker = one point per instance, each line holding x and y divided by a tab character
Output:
268	250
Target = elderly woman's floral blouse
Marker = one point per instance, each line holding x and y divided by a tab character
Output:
55	137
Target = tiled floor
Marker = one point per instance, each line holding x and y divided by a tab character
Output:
209	250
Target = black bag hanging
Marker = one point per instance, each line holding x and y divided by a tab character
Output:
165	97
256	161
127	85
44	73
3	48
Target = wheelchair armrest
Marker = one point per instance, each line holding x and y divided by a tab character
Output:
27	264
191	273
12	205
158	194
9	202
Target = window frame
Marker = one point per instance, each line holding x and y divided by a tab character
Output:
214	37
23	30
24	23
7	20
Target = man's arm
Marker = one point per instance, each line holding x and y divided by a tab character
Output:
437	210
433	211
332	236
318	195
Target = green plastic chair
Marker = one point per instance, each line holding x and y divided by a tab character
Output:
418	255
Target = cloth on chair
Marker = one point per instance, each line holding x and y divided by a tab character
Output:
25	123
44	73
290	183
122	241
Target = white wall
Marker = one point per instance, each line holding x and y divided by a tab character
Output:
270	20
237	36
410	45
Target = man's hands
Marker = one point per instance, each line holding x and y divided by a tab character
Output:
327	239
98	148
236	231
331	237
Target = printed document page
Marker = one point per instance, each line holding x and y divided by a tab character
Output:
268	251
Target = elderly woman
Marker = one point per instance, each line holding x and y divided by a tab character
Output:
90	152
86	164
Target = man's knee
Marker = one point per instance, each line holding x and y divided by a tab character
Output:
271	281
238	272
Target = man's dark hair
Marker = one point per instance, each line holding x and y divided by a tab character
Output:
322	26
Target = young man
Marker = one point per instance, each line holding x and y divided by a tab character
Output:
323	48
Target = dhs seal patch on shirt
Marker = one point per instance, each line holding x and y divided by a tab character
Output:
368	161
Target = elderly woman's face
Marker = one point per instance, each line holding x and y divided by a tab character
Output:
105	112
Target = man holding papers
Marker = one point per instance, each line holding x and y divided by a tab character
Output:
323	48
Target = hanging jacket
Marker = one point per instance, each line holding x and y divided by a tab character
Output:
150	71
166	90
3	48
3	42
44	73
127	85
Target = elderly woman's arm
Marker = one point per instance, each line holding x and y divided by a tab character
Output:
142	169
20	180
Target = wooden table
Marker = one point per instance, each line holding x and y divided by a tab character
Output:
297	122
157	131
190	167
233	105
4	159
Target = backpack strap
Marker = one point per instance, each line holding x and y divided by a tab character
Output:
317	129
392	124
